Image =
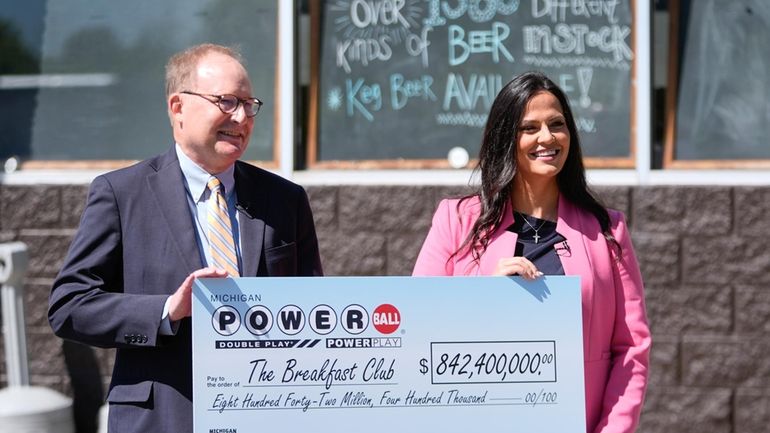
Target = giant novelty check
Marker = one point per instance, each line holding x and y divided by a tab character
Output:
388	354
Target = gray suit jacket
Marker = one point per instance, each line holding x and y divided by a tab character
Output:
134	247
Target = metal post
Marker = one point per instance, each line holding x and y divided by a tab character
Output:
286	83
13	267
643	102
24	408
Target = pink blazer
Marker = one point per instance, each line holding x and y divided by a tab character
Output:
616	338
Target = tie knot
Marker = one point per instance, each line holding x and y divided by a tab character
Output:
214	184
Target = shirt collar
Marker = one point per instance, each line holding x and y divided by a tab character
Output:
197	177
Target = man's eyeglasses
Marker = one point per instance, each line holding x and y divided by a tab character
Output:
229	103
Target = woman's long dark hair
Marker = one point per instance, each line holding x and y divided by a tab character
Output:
498	163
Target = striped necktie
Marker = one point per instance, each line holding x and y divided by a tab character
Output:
221	244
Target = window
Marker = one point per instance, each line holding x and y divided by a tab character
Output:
718	91
408	87
83	81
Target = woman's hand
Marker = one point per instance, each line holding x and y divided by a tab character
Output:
517	266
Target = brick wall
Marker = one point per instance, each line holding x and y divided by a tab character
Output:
702	252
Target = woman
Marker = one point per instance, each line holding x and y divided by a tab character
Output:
535	215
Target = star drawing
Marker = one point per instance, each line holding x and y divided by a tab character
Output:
334	100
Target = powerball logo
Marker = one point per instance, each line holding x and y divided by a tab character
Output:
322	320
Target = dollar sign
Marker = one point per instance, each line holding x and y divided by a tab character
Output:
423	366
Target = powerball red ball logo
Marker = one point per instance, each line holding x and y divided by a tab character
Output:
386	319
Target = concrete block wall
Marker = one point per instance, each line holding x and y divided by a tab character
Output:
702	252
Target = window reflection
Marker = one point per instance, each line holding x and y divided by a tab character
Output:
83	80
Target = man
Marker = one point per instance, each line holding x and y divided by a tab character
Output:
149	230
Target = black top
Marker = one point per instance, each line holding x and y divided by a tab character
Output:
544	252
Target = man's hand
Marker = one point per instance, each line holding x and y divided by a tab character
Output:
180	305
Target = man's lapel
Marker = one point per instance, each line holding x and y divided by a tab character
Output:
166	186
252	202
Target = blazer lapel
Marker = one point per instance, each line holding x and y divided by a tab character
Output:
503	244
576	260
252	200
167	188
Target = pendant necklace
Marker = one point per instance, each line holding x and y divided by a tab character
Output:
536	237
